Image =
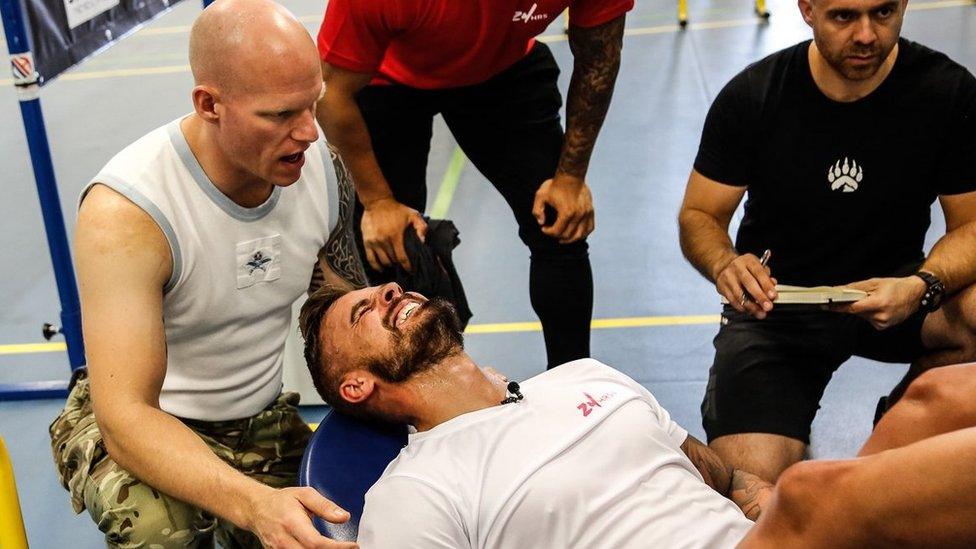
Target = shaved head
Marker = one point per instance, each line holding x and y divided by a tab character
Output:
244	46
258	79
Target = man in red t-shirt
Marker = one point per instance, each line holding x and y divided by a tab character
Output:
391	65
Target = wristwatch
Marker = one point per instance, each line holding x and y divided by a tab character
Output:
934	291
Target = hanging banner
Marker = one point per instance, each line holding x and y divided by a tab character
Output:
79	11
64	32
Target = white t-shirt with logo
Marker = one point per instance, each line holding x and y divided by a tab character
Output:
588	459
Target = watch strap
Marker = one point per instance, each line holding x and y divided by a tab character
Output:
934	291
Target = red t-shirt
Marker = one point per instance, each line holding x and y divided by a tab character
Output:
433	44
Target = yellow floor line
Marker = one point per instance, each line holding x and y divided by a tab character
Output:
939	5
317	18
175	29
497	328
143	71
115	73
598	324
639	31
181	29
662	29
28	348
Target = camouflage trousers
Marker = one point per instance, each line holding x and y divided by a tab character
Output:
266	447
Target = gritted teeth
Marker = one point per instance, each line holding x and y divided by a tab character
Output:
405	312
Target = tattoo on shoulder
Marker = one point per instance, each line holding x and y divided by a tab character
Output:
340	250
596	53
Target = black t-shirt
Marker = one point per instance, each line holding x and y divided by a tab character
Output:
841	191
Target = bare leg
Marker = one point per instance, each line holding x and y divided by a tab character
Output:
949	335
940	401
920	495
761	454
950	332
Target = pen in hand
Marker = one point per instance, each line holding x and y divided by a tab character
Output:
762	261
765	257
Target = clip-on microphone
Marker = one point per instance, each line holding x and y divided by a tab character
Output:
513	388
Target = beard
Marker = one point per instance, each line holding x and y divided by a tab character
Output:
839	59
435	335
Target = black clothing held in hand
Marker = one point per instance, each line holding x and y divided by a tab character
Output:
509	128
841	191
433	273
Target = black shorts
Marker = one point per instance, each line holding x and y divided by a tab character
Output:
769	375
508	126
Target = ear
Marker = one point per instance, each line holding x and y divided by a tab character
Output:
205	103
357	386
806	10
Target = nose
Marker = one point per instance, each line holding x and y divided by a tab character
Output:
306	130
864	33
389	293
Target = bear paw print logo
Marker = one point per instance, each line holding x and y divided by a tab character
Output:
845	177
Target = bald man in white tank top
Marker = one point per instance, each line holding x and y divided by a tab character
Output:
192	245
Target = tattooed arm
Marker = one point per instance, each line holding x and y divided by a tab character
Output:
746	490
596	59
339	264
750	493
716	473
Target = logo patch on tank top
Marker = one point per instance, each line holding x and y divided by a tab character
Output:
845	177
258	260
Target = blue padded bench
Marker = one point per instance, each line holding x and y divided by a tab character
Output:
343	460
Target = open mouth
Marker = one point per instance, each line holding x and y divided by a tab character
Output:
293	158
405	314
403	311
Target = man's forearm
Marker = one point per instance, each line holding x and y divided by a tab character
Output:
952	259
346	130
596	60
750	493
165	454
713	470
705	242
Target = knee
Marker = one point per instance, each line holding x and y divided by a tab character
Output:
544	247
967	342
803	491
928	387
803	481
138	516
946	392
819	504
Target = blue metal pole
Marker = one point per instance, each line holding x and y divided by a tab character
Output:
26	81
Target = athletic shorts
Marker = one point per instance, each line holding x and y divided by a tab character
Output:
769	375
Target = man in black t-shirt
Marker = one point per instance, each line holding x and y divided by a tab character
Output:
843	143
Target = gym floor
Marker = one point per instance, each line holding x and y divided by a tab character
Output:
655	316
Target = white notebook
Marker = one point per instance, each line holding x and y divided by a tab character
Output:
817	295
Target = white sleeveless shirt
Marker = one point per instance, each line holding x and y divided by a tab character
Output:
236	271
